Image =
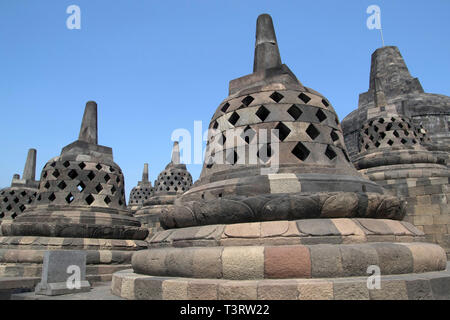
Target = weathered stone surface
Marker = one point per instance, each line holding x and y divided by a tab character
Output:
350	290
287	262
243	263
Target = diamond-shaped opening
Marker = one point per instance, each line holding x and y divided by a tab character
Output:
406	132
329	152
262	113
304	98
381	120
390	142
121	202
72	174
89	199
111	169
70	198
403	141
312	132
414	141
232	157
377	144
107	177
5	200
98	166
321	115
12	192
9	207
22	208
300	151
107	200
366	146
2	215
62	185
99	188
81	186
248	134
91	175
325	103
52	197
215	125
23	193
392	119
366	131
295	112
47	185
334	136
388	126
53	164
234	118
276	96
225	107
223	139
16	200
247	100
118	179
400	125
82	165
265	152
113	190
396	133
375	128
66	164
382	135
371	137
45	174
283	131
14	215
56	173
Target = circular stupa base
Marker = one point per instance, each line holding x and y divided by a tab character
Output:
23	256
248	260
430	285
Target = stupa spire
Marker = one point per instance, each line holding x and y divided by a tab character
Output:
29	172
145	173
267	54
176	153
88	131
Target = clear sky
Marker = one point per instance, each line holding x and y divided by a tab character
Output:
156	66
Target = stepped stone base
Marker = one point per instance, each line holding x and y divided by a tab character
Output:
23	256
311	258
424	286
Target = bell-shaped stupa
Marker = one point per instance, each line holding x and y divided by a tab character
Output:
392	146
141	193
173	181
270	222
80	205
22	193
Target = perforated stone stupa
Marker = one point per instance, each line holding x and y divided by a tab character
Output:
173	181
141	193
80	205
395	150
307	231
22	192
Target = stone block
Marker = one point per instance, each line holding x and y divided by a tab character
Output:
349	290
315	290
243	263
287	262
278	290
238	290
63	272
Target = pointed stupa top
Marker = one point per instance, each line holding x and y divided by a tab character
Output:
176	153
29	172
145	173
389	70
89	130
267	54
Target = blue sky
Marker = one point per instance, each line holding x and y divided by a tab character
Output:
156	66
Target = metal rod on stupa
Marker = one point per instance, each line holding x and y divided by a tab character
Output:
176	153
145	173
267	54
29	172
88	131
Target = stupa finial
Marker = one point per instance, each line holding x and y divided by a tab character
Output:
267	54
88	131
145	173
176	153
29	172
380	98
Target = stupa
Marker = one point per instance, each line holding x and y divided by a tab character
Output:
309	230
141	193
400	147
80	205
22	192
173	181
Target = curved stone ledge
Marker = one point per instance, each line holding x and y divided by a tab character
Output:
394	156
308	231
298	261
73	230
49	243
431	285
283	206
63	215
152	210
